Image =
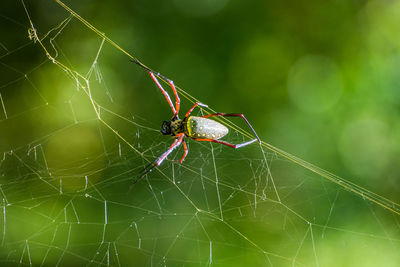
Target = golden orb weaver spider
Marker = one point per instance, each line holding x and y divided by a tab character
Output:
196	128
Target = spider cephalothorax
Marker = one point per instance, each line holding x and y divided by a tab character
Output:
196	128
177	127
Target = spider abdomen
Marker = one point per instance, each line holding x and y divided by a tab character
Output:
198	127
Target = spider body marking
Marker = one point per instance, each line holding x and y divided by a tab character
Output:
196	128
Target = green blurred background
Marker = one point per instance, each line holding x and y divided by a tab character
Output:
319	79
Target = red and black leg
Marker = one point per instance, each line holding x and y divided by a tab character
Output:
235	115
184	153
175	109
226	143
154	76
178	140
195	105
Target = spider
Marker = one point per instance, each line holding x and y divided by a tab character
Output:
194	127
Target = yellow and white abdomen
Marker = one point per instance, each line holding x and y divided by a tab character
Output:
198	127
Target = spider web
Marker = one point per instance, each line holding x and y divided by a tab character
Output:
73	145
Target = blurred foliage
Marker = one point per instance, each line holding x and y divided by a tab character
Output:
309	75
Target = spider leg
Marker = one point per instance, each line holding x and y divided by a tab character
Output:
185	153
146	170
177	99
175	144
195	105
159	160
234	115
164	92
175	109
226	143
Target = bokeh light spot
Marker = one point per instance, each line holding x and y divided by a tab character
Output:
314	83
364	147
75	155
